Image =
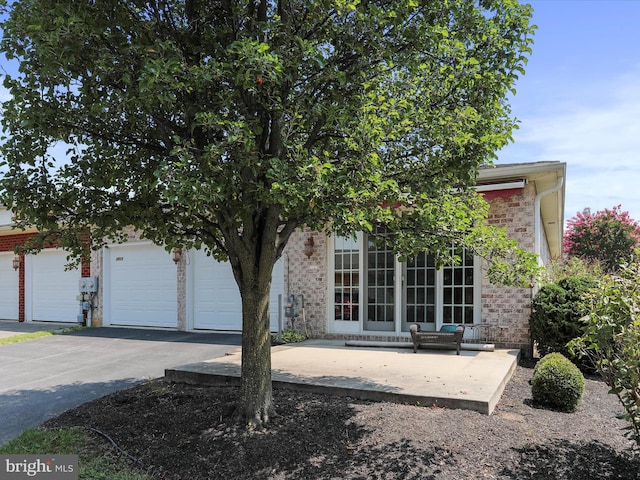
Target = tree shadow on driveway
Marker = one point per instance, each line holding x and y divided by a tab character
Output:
211	338
24	409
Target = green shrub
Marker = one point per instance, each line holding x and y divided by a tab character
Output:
561	268
289	336
612	341
557	383
556	311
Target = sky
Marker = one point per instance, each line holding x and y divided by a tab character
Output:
579	101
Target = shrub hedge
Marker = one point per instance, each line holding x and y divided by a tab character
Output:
557	383
556	311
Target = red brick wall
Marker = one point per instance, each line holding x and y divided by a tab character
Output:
308	276
505	310
9	242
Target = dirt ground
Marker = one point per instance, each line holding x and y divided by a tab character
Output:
182	432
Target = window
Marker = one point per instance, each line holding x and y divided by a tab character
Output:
347	279
420	279
380	267
458	291
399	294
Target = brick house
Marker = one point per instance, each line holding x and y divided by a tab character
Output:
356	291
143	285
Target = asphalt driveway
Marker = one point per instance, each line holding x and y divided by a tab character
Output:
42	378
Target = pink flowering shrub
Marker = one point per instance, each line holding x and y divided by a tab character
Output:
608	237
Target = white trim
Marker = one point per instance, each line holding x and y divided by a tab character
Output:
357	328
477	290
28	288
106	285
439	298
491	187
190	295
340	326
519	170
399	280
538	227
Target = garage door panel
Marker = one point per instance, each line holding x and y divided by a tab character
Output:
9	283
52	289
216	299
216	294
142	286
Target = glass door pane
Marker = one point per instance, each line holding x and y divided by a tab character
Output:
380	267
346	279
420	292
457	304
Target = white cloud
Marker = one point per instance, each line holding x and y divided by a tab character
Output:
595	129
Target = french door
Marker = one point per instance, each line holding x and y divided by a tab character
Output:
381	288
420	292
371	291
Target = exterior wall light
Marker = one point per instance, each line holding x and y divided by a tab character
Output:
308	246
16	262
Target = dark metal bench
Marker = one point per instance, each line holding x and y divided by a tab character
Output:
452	338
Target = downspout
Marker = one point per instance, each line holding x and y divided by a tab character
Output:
537	245
537	239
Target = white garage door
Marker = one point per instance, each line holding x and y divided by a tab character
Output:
50	290
8	287
216	298
140	286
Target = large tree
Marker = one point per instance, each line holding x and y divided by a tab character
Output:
229	124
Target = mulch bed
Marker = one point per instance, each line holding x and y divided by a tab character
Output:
182	432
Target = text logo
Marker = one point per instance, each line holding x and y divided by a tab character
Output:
39	467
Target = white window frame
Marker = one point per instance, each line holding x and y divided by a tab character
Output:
357	327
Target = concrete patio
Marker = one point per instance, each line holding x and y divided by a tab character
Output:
474	380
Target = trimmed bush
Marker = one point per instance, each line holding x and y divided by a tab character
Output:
556	311
612	341
557	383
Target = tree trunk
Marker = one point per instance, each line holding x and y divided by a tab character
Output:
253	252
256	397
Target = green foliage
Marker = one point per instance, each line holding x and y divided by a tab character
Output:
178	121
611	340
556	312
36	441
23	337
34	335
557	383
229	125
70	441
608	237
570	267
291	336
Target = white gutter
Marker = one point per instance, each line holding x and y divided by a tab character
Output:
537	245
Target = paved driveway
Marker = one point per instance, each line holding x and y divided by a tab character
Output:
42	378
